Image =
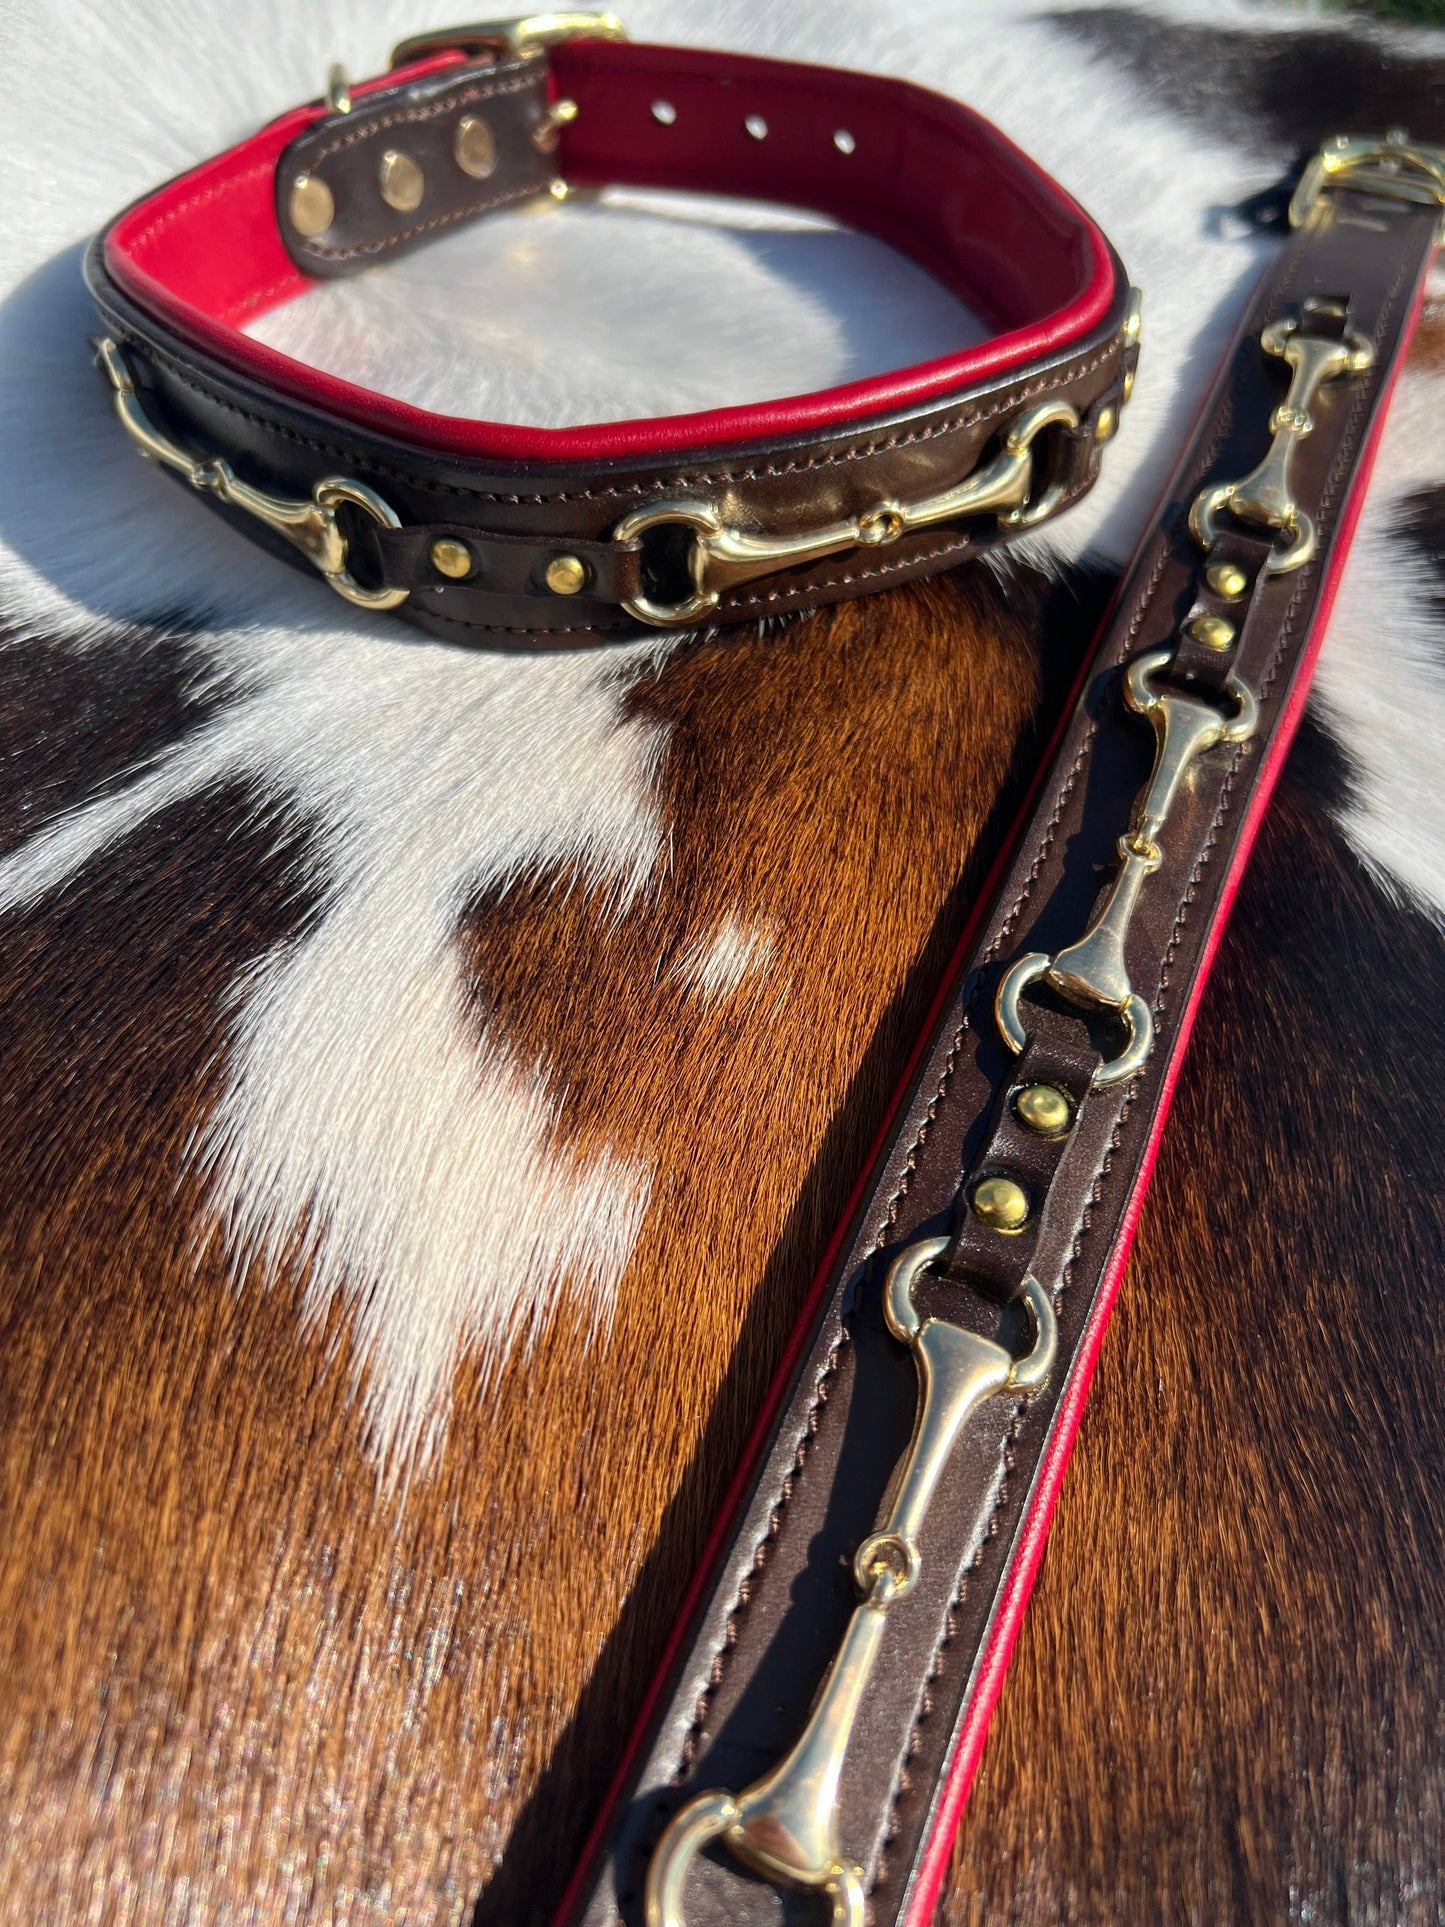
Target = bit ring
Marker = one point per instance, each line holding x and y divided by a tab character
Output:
1136	1016
716	1816
1203	527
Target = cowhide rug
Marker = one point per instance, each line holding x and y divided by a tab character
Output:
428	1078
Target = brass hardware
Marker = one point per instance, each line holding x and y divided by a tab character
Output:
338	89
1105	425
1226	579
1184	727
566	575
401	181
1043	1109
1133	333
1211	632
451	558
474	146
1396	167
1093	972
722	557
310	206
1265	497
1001	1204
784	1826
546	133
311	526
527	35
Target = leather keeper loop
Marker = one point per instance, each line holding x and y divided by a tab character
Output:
1058	1058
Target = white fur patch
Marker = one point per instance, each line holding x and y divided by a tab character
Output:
716	965
419	1163
1381	675
422	1158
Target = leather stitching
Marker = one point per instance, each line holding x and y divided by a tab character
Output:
510	81
433	110
526	192
216	192
959	543
190	376
260	297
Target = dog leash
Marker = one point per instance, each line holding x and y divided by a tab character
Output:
825	1701
488	533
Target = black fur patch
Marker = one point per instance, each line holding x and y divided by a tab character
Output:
1278	93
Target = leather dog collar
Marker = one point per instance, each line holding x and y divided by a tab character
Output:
498	534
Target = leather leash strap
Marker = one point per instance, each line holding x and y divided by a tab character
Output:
825	1706
510	537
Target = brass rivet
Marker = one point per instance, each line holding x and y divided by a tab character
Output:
451	558
1226	579
311	207
401	181
546	133
1043	1109
474	147
566	574
1211	632
1001	1204
1107	422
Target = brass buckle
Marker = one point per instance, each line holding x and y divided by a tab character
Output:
1396	167
528	34
310	526
721	557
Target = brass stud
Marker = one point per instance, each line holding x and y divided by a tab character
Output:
1043	1109
566	574
1211	632
311	206
1105	424
401	181
1226	579
451	558
1001	1204
474	147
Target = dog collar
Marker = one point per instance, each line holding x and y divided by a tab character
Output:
499	534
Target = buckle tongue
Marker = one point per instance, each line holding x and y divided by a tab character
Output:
528	34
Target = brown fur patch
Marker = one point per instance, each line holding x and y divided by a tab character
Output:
238	1682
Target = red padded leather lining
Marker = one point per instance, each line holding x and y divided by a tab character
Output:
926	174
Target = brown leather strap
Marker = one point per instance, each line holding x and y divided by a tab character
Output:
785	1591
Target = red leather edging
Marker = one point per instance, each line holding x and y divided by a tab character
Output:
993	1661
927	174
